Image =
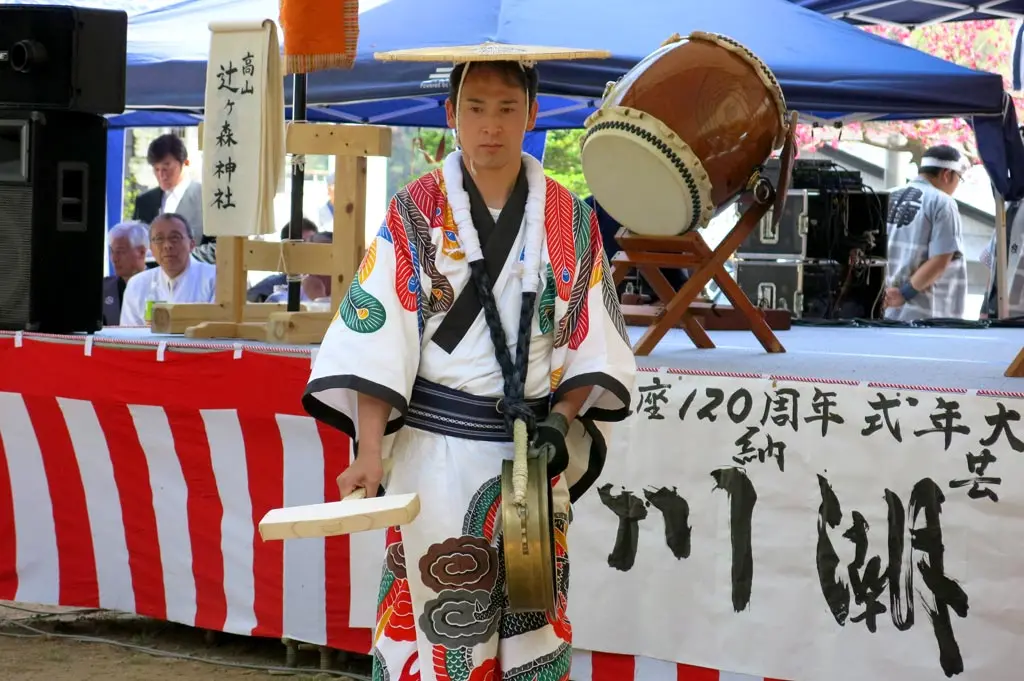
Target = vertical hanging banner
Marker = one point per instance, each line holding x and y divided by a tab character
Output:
243	133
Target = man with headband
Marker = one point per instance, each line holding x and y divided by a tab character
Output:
927	274
485	297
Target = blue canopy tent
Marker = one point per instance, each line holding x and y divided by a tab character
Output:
168	48
914	12
167	63
887	80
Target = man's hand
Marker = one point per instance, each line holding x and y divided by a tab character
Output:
550	443
893	297
366	472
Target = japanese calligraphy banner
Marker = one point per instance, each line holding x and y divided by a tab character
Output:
243	131
807	531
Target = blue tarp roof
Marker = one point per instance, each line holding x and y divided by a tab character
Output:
914	12
826	68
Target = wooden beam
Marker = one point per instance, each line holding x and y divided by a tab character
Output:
330	139
298	328
177	317
289	257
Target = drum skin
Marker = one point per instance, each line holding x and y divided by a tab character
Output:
713	103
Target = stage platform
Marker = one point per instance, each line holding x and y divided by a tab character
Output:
971	359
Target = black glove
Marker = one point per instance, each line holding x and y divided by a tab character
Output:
549	443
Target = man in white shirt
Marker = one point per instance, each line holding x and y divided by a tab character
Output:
927	274
179	278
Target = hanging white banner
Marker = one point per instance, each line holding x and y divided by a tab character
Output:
807	531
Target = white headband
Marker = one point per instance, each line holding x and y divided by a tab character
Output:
932	162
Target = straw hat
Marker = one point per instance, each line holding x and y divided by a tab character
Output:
527	55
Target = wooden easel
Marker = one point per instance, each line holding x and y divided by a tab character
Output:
231	316
649	254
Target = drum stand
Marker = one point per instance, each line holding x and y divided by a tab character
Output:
648	254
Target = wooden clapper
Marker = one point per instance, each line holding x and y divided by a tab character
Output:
354	513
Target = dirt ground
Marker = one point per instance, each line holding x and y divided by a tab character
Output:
43	643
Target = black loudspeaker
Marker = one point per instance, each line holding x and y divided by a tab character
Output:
53	168
70	58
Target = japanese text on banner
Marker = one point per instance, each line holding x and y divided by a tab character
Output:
233	132
945	459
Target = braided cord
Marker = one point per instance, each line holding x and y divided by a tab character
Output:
513	374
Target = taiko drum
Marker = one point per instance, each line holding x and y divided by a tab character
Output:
679	137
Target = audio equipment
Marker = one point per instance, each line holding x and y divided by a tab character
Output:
68	58
53	168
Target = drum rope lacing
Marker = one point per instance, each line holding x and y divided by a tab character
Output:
665	149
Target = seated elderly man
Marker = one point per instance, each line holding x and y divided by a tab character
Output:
178	277
129	242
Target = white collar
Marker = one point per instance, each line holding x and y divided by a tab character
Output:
179	189
458	200
172	281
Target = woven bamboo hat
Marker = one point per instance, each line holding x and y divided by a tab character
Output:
528	55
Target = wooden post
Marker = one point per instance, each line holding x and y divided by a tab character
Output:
231	316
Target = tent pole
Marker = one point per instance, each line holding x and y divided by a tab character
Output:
298	185
1000	257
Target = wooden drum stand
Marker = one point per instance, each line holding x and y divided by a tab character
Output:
648	254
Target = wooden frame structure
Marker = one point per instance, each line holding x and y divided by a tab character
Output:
648	254
231	316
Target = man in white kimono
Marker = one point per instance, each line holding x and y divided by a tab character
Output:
178	277
426	364
927	274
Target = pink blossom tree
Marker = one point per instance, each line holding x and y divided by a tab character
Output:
980	45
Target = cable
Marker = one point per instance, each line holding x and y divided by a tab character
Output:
39	633
938	323
47	613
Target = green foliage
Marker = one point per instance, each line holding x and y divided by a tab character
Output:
132	189
562	160
408	160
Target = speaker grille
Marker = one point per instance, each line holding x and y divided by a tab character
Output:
15	254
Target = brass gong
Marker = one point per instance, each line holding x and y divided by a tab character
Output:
528	534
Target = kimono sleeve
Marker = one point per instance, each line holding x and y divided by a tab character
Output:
599	353
373	344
